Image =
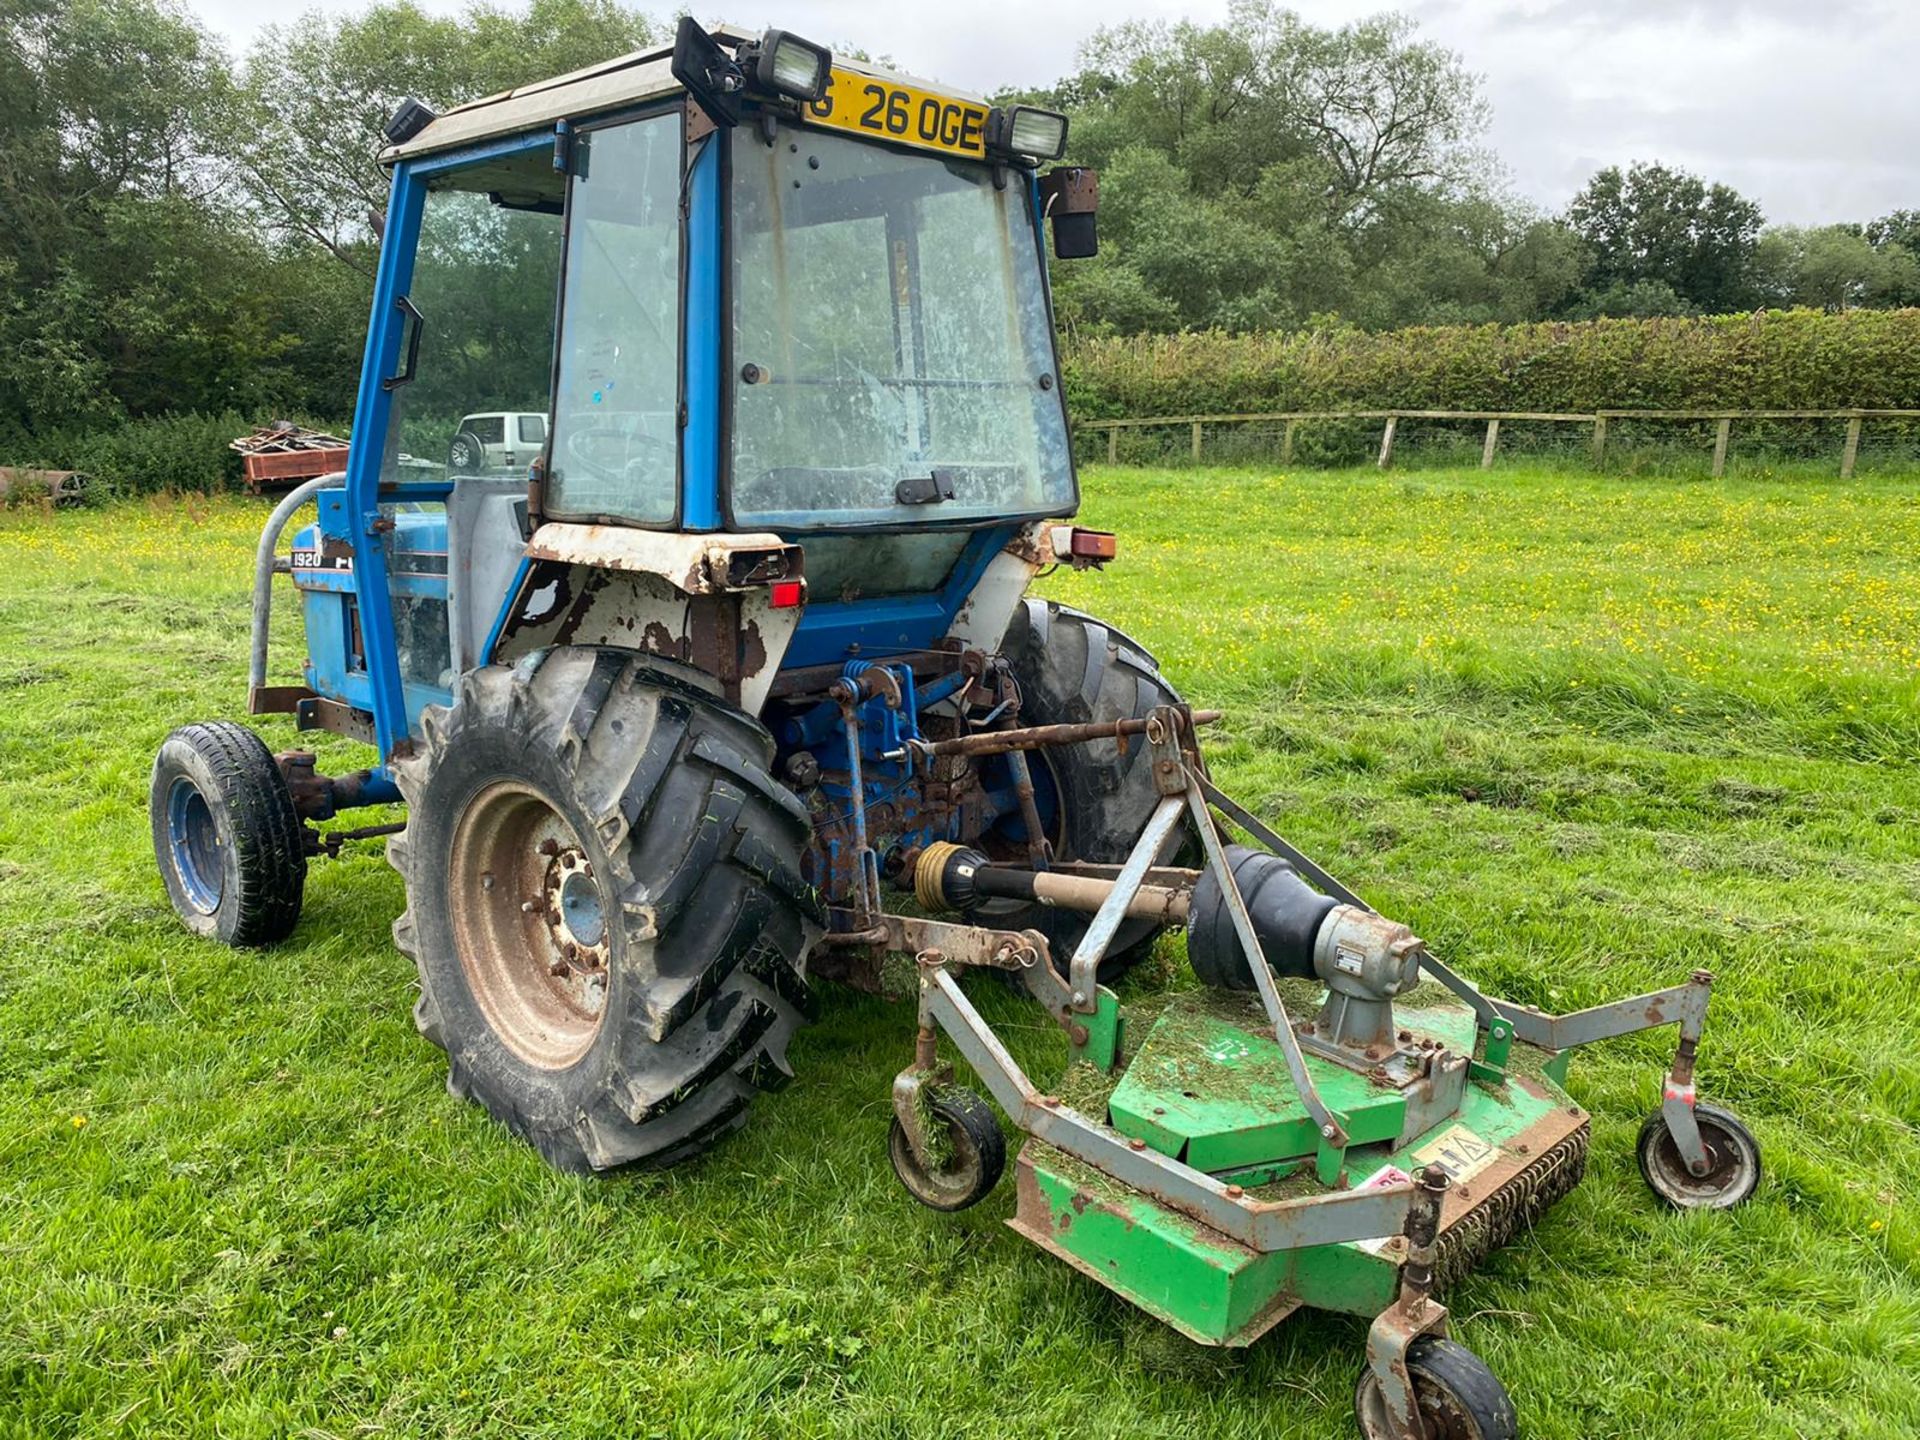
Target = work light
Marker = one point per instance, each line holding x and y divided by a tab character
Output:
788	65
1023	130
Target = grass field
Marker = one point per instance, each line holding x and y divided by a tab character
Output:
1584	734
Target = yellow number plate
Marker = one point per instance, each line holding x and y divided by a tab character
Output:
884	110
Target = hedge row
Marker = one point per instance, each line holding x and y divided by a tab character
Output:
140	457
144	457
1772	360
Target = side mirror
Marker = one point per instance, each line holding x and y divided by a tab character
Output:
1069	196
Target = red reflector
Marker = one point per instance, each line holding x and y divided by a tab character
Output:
785	594
1095	544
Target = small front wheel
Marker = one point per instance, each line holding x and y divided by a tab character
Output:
1457	1396
967	1151
1733	1161
230	844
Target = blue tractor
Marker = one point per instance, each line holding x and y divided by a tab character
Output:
709	437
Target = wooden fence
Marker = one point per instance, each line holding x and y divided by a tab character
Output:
1598	419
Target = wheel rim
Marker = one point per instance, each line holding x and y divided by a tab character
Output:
530	924
950	1183
461	459
1729	1164
193	844
1443	1414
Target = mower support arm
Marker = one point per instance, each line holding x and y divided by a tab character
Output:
1684	1005
1320	1219
1332	1133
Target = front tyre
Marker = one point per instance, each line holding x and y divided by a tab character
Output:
605	906
230	844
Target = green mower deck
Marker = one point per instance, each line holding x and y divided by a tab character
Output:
1208	1088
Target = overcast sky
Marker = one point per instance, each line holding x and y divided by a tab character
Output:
1809	108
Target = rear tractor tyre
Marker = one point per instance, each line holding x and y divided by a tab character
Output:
230	844
1458	1397
1071	669
605	906
1733	1161
971	1150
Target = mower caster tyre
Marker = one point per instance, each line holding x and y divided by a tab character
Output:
230	843
1458	1397
1733	1161
973	1147
1072	669
605	906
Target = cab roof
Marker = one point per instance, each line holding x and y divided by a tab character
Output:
615	84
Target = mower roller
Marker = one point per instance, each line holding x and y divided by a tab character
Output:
710	670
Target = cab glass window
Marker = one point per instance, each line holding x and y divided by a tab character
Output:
485	276
615	449
892	354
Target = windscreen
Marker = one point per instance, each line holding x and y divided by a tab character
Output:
892	353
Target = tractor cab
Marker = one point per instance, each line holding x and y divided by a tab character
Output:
738	290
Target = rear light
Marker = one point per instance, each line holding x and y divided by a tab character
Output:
1093	544
786	594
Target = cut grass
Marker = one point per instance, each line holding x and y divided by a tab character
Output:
1585	735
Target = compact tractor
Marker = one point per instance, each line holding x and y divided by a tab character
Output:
728	678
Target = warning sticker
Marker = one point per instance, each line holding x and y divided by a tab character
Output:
1458	1151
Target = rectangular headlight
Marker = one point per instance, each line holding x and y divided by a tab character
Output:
788	65
1023	130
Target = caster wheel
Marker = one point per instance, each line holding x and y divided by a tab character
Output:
1459	1398
1733	1156
971	1150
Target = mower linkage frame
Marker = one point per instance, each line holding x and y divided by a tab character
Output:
1088	1012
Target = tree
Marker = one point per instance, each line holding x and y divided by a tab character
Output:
126	282
1835	267
1656	226
306	126
1263	171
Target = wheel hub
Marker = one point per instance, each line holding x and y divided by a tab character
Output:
575	915
531	924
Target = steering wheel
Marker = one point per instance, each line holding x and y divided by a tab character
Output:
577	450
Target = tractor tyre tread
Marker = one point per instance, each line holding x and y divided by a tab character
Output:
668	790
1073	668
237	775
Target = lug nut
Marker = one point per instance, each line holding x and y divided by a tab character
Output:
549	847
558	967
